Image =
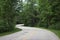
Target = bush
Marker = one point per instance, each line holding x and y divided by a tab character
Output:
5	27
55	26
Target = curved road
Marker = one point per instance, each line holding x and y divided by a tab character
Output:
30	33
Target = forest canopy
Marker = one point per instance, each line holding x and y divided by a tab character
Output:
40	13
34	13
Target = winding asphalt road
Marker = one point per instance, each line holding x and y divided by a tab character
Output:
30	33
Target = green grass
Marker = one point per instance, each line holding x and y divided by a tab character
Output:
57	32
10	32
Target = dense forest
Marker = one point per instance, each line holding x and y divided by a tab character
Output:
34	13
7	15
40	13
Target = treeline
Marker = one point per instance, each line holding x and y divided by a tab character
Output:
34	13
7	15
40	13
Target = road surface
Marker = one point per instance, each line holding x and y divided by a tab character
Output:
30	33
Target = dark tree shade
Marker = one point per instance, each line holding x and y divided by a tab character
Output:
8	15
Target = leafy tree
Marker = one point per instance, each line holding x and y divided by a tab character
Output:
8	15
56	14
42	13
19	10
30	9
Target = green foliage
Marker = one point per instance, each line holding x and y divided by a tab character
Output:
19	10
35	13
40	13
57	32
55	26
10	32
7	15
31	18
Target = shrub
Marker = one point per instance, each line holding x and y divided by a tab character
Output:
55	26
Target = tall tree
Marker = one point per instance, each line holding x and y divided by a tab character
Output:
31	18
8	15
19	10
44	13
56	14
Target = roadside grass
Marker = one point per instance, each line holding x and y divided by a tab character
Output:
10	32
57	32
